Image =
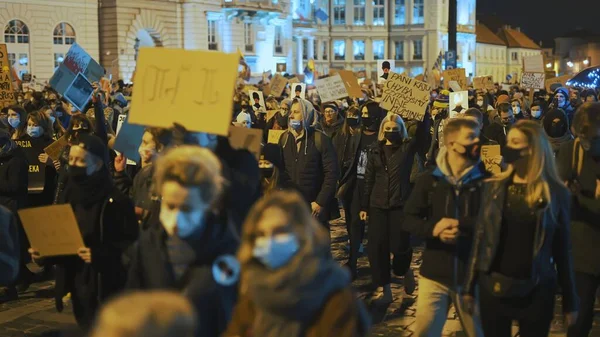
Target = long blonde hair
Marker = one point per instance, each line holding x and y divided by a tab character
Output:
391	117
542	171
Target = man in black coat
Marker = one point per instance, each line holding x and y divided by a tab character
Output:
497	131
9	247
310	161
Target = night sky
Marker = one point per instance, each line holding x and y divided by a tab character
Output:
566	15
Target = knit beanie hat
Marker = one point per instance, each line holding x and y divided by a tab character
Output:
502	99
331	105
93	145
442	100
272	153
563	91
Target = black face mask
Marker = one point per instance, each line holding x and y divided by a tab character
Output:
393	136
557	129
367	121
352	122
282	120
511	155
266	172
472	151
595	148
77	173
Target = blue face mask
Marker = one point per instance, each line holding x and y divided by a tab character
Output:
52	120
275	252
296	125
14	122
34	131
58	114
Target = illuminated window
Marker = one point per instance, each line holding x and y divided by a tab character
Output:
359	12
58	58
23	59
64	34
339	12
305	49
416	71
339	50
358	49
12	58
400	12
399	50
212	35
514	56
325	50
16	32
378	12
378	49
315	49
249	37
278	40
418	12
418	50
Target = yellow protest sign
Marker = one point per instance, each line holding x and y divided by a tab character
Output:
192	88
274	136
246	139
7	93
488	155
457	75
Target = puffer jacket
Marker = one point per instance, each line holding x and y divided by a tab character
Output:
552	245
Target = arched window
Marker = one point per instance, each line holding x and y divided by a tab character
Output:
16	32
64	34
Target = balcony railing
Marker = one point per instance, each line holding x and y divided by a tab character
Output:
254	5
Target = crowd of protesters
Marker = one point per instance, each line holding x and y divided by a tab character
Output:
201	239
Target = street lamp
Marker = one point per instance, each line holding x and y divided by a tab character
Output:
586	62
570	64
548	65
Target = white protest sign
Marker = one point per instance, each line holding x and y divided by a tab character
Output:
533	80
405	96
483	82
533	64
331	88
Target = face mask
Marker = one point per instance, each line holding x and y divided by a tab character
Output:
352	122
184	223
78	173
277	251
266	172
472	151
595	147
4	120
14	122
392	136
516	110
480	103
146	153
511	155
52	119
296	125
536	114
34	131
367	121
557	129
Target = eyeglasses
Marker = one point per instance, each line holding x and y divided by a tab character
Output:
330	112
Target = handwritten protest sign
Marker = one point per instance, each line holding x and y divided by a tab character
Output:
405	96
55	149
278	84
331	88
274	136
457	75
246	139
162	91
533	80
488	153
129	139
351	83
483	82
37	170
52	230
294	80
533	64
561	79
7	92
76	61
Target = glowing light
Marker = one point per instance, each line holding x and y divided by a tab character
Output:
570	64
548	65
586	62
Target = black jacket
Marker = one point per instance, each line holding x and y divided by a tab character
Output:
311	171
434	198
9	247
387	180
151	269
13	179
552	245
497	132
347	177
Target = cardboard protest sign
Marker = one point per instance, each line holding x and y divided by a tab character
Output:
76	61
278	84
129	139
384	67
459	103
331	88
488	153
247	139
37	170
455	86
294	80
55	149
483	82
52	230
533	64
405	96
298	90
351	83
457	75
7	92
533	80
257	101
164	95
79	92
274	136
281	67
561	79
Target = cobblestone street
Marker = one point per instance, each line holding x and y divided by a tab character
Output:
34	313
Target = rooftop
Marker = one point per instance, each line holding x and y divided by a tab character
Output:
485	35
515	38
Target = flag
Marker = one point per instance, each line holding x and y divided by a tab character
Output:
321	15
438	62
309	71
299	13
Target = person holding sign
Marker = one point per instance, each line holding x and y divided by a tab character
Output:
107	224
522	241
387	187
179	250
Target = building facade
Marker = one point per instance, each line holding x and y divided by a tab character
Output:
576	51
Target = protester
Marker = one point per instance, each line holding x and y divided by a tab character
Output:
309	161
333	121
180	251
435	211
9	248
538	110
291	286
497	131
146	314
579	166
589	96
561	100
440	114
387	187
17	122
556	127
270	165
280	120
478	116
522	241
107	223
517	109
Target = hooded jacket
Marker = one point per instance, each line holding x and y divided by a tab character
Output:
438	195
548	123
333	129
13	176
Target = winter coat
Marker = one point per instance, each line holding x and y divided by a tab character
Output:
497	132
333	129
9	247
347	178
139	189
13	179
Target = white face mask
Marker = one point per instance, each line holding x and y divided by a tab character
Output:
182	223
536	113
480	103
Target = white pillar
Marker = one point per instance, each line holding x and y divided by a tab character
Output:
311	47
299	52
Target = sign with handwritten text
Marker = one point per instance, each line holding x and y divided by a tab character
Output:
533	80
484	82
246	139
7	93
488	154
36	170
405	96
457	75
278	84
192	88
331	88
55	149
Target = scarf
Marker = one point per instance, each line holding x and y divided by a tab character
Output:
288	299
557	142
89	190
